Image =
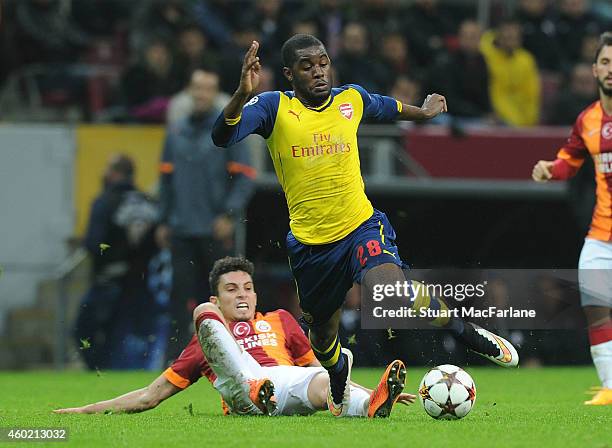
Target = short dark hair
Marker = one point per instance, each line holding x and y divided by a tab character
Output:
297	42
225	265
123	164
604	40
206	68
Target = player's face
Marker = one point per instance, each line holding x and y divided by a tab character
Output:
311	75
602	70
237	299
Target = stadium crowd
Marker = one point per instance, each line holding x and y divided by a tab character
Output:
133	62
122	61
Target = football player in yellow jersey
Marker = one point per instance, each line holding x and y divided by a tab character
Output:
337	238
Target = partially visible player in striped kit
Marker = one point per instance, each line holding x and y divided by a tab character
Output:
592	135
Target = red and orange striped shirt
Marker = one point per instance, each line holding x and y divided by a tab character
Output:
592	134
272	339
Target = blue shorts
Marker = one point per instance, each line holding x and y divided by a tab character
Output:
324	273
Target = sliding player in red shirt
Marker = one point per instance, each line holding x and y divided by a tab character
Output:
592	135
268	354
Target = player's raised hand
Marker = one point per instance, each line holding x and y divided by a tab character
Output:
434	105
542	171
249	77
406	399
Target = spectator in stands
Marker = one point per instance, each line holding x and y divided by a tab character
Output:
575	21
46	33
233	56
193	52
163	18
271	20
407	90
331	17
579	92
354	64
214	18
462	75
426	25
203	192
147	86
120	241
513	76
394	58
182	104
101	18
379	16
539	34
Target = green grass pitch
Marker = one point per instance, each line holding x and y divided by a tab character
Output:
520	408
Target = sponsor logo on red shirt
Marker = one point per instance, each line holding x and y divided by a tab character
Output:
606	131
241	329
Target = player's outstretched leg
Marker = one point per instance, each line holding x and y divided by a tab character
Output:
481	341
336	360
489	345
388	390
339	391
238	383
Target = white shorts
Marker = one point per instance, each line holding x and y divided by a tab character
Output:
595	273
290	387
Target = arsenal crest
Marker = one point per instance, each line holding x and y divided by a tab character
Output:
346	109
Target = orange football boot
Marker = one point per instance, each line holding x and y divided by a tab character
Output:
388	390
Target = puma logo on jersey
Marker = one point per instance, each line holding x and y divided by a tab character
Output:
296	114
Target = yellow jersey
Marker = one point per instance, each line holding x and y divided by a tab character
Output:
315	155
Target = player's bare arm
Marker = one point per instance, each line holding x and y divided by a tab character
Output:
136	401
542	171
433	106
249	80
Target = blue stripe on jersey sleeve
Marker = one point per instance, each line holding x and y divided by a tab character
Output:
378	107
258	117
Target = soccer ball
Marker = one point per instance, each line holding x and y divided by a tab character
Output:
447	392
